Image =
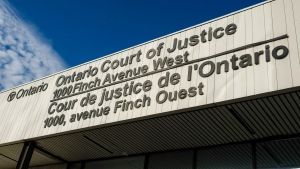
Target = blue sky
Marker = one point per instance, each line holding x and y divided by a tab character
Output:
82	30
40	37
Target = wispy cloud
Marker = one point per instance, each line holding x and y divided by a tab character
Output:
24	54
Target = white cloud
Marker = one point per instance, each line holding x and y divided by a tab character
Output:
24	54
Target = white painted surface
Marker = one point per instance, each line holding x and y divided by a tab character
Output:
24	118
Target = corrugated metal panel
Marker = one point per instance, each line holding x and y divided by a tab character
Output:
276	115
229	157
9	156
128	163
55	166
248	120
38	158
173	160
6	163
279	154
73	148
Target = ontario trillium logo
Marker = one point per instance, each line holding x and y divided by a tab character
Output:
11	96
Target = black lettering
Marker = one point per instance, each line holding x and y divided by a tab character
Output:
159	47
230	29
50	110
233	62
175	78
164	95
170	50
209	34
184	45
211	70
257	55
182	94
246	60
105	68
226	66
203	36
150	53
194	40
192	91
285	52
216	31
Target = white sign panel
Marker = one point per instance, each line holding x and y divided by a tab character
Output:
246	53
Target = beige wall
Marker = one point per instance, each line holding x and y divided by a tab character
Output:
24	118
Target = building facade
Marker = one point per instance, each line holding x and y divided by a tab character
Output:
221	94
